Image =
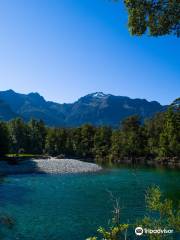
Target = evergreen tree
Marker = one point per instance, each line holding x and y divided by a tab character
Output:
19	136
153	128
76	142
116	146
158	137
170	135
56	141
132	137
87	140
4	139
69	142
102	143
37	136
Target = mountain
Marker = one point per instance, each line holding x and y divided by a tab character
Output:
30	106
96	108
106	109
176	104
6	112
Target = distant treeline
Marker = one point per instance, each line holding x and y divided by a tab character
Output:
158	137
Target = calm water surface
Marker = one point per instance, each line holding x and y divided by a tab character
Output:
70	207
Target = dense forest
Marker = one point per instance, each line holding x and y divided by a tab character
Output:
156	138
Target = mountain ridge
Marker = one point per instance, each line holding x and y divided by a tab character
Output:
96	108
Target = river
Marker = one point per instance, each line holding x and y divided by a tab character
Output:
72	206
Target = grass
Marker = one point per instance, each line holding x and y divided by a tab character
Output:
21	155
16	157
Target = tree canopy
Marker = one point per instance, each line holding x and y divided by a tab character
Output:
156	139
155	17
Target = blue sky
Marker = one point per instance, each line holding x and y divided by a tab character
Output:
65	49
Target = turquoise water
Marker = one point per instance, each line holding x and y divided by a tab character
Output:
70	207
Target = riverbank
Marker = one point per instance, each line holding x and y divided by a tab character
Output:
50	165
173	162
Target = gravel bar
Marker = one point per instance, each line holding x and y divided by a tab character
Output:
51	165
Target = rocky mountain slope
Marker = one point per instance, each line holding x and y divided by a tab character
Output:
96	108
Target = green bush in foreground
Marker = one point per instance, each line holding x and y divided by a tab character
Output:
161	215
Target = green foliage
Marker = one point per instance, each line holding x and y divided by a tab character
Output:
154	128
37	134
4	139
170	135
132	137
26	138
158	17
113	233
162	215
21	155
87	141
116	230
19	135
117	149
55	141
158	137
102	143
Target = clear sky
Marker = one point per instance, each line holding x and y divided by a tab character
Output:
65	49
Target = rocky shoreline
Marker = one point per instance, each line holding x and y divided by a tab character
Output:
56	165
50	165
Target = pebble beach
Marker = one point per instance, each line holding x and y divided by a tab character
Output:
50	165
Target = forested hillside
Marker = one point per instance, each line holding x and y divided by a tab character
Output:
97	109
157	138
